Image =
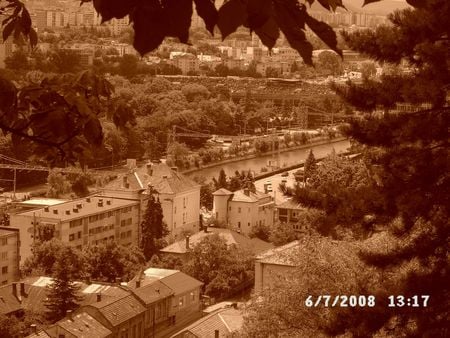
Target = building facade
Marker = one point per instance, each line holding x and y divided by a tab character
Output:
82	222
9	255
243	209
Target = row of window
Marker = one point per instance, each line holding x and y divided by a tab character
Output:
75	236
99	217
125	234
100	229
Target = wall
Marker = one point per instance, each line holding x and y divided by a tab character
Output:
9	257
265	274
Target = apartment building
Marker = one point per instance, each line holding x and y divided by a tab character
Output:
82	222
9	255
179	195
243	209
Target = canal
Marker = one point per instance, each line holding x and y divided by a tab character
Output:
255	164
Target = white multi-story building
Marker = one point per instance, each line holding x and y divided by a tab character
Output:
82	222
243	209
179	195
9	255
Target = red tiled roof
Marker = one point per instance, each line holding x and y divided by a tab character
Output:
180	283
82	325
225	321
163	179
119	310
255	245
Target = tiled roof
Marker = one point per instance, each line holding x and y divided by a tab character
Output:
180	282
163	179
107	292
222	192
315	248
290	204
8	302
119	310
87	208
255	245
225	321
150	292
240	196
82	325
39	334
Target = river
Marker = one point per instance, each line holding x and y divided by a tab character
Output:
255	164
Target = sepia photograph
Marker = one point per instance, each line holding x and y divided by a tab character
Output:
224	169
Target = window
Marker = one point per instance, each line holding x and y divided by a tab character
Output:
129	221
239	210
75	223
71	237
174	225
249	223
229	208
129	233
181	301
192	296
79	234
248	209
184	202
3	241
110	213
239	225
93	218
4	270
4	255
175	209
122	223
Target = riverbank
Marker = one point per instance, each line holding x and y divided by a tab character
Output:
269	153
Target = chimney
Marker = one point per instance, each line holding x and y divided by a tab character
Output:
164	176
216	333
69	314
138	283
99	297
22	288
174	168
187	242
33	328
46	209
14	289
125	182
149	169
247	191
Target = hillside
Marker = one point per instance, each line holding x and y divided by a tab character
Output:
383	7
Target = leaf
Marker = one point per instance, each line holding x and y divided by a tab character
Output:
109	9
232	14
149	24
259	12
268	33
290	17
8	29
417	3
324	32
33	38
366	2
179	14
25	21
208	12
8	96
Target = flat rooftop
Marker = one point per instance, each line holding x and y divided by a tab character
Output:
42	201
79	208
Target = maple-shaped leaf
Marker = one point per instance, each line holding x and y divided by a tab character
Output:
179	14
150	26
324	32
208	12
232	14
109	9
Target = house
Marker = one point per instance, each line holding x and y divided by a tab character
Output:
179	195
77	326
220	323
9	255
243	209
79	222
288	212
312	254
181	248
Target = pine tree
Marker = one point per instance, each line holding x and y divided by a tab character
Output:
310	166
222	181
408	156
63	292
153	228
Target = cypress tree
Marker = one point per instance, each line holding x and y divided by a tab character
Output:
153	228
